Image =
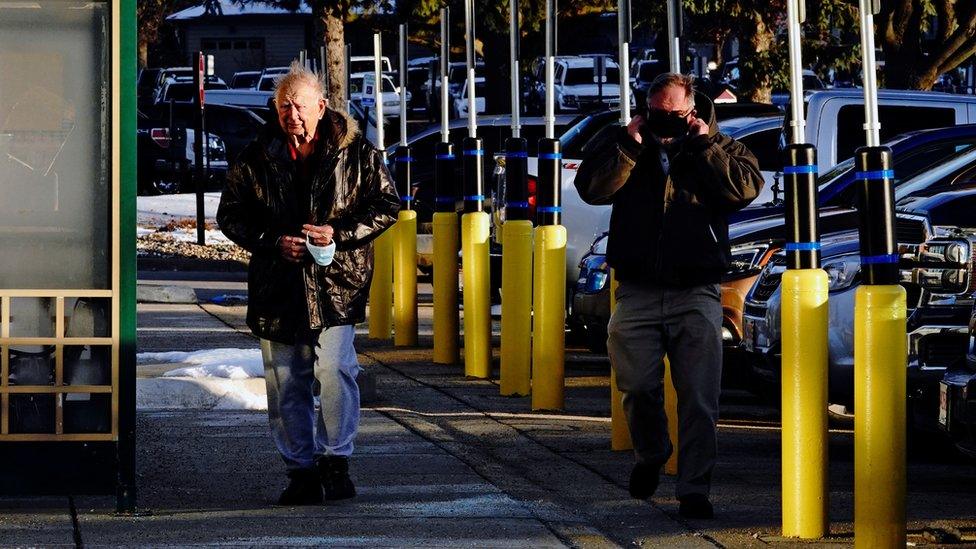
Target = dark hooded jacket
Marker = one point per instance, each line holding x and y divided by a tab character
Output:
351	190
670	230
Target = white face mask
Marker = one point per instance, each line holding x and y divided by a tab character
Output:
322	255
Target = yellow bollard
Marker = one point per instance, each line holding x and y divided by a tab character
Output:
671	409
549	328
446	323
880	353
516	361
619	432
405	280
477	294
381	288
804	403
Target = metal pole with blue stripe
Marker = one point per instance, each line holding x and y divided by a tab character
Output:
516	239
549	268
880	343
475	231
805	291
445	220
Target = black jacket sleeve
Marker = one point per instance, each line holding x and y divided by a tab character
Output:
607	167
377	207
239	213
729	169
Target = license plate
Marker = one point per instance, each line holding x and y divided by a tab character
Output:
943	405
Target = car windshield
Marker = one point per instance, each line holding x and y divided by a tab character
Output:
648	71
184	91
573	141
932	178
584	75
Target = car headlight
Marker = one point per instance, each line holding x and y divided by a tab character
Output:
594	274
569	98
842	272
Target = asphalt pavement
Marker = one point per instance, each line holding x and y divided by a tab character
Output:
443	460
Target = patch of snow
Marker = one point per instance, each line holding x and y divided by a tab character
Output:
210	363
168	393
144	231
213	236
179	205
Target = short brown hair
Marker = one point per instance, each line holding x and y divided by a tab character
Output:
669	79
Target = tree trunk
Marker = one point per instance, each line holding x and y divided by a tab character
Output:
333	36
496	52
143	53
755	81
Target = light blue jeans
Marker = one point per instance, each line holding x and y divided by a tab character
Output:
324	361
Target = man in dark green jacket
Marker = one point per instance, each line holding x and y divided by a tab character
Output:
307	198
672	179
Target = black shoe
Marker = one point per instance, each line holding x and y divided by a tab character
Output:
644	479
695	506
334	475
304	488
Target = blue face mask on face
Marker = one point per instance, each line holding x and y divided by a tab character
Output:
321	254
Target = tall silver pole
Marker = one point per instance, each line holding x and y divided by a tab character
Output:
445	67
550	69
623	38
378	90
469	51
513	18
795	16
674	41
403	84
872	126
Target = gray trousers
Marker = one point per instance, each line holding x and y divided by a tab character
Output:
685	324
325	363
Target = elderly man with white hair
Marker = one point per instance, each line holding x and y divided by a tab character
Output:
306	198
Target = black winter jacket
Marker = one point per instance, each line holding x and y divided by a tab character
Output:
670	230
351	190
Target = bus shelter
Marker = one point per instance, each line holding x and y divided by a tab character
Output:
67	246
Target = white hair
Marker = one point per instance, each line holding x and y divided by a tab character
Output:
298	75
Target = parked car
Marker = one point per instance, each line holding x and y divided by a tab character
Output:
957	390
457	74
936	204
389	93
575	89
367	63
461	99
166	158
182	91
245	80
642	74
235	126
268	77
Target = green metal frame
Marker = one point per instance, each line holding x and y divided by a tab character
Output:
128	42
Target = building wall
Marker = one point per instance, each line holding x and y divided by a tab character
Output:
246	46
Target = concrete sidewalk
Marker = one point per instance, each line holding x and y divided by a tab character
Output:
445	461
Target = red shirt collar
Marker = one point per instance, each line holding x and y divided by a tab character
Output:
293	150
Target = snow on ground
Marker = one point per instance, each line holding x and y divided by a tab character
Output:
210	363
178	205
213	236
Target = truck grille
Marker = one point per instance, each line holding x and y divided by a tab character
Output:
942	350
768	282
910	230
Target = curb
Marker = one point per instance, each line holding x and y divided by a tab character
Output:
151	293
